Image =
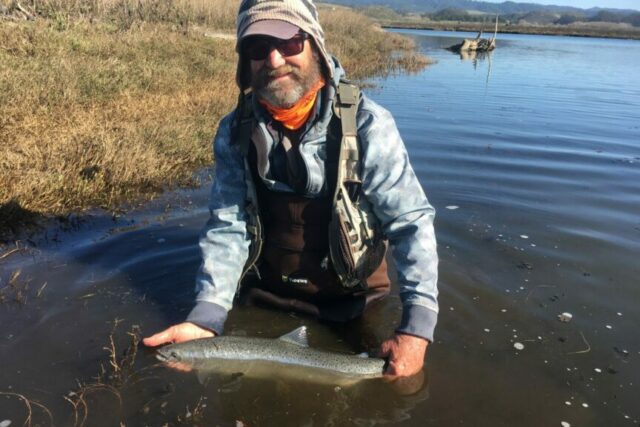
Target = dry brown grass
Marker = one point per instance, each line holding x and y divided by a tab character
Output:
29	405
107	101
364	48
16	289
91	117
127	13
113	378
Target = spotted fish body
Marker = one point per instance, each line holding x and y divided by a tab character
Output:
290	349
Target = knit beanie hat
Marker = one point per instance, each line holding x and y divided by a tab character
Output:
301	13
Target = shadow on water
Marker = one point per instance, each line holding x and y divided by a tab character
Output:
14	219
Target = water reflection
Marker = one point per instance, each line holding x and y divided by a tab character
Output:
261	401
474	56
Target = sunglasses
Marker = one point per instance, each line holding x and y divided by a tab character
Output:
258	48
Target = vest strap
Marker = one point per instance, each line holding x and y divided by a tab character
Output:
348	96
244	121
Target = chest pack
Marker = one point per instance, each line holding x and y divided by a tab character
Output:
356	243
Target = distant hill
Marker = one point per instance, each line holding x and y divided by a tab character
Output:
506	8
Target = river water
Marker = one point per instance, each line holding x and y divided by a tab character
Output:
531	156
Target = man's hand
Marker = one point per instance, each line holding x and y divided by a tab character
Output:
405	353
178	333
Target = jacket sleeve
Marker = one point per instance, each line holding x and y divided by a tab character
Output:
224	241
397	199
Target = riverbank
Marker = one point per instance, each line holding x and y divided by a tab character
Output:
596	29
102	106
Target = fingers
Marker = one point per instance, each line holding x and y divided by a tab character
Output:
166	336
386	348
408	385
405	354
392	371
178	333
181	367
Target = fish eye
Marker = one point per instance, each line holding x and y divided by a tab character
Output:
174	354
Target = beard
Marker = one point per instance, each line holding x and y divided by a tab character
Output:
285	94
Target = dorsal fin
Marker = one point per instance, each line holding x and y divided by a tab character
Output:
297	336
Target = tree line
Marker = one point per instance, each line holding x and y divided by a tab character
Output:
537	17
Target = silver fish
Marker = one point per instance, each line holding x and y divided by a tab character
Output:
291	349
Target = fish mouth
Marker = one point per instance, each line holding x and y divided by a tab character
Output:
171	360
166	355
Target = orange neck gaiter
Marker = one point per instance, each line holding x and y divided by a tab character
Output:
293	118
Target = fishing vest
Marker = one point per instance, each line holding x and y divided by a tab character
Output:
326	251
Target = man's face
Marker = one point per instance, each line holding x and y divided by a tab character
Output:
282	80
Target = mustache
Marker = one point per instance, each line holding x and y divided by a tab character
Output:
263	76
282	70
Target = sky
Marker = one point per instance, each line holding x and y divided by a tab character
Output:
585	4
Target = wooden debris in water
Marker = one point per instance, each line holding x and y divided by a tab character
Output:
476	45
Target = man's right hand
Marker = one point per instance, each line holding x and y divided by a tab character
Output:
178	333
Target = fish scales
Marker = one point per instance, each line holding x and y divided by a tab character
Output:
290	349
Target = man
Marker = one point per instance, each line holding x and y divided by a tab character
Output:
283	181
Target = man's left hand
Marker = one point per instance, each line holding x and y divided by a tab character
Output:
405	353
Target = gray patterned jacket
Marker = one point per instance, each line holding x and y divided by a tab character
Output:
389	184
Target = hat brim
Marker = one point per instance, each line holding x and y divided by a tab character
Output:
273	28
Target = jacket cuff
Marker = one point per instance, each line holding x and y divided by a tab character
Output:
418	321
208	315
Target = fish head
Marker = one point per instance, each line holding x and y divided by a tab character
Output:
173	358
168	354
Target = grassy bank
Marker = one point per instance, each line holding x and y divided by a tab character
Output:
108	101
581	29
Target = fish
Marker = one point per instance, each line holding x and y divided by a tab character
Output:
291	349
